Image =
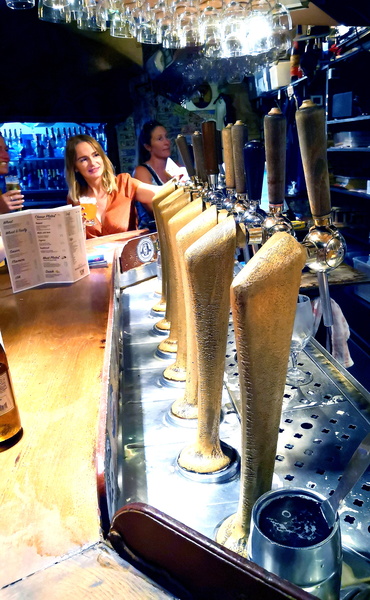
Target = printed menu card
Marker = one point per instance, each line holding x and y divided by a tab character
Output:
44	246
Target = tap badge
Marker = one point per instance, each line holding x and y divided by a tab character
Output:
145	250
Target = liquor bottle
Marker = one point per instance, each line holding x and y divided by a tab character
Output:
60	143
40	148
24	184
51	179
33	179
10	422
17	143
52	144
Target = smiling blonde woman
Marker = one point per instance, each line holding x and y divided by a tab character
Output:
89	173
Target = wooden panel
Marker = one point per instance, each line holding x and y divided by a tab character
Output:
97	573
55	340
343	275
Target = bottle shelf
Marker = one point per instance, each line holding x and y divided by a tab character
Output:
344	191
348	149
357	119
38	159
49	191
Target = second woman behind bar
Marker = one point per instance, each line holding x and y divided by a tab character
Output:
89	172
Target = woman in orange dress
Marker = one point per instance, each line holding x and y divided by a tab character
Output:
90	173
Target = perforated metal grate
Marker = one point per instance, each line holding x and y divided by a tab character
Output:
322	424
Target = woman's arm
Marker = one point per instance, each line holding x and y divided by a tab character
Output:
145	193
143	174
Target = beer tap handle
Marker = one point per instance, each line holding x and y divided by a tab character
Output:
239	136
275	145
184	151
198	150
310	119
219	154
323	241
210	150
228	156
254	167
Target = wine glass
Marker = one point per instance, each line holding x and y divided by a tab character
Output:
302	331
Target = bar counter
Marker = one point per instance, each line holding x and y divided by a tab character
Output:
60	341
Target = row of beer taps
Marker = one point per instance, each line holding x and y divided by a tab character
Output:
227	170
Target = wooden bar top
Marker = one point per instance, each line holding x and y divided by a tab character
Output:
55	341
61	343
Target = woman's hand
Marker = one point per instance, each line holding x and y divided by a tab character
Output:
12	200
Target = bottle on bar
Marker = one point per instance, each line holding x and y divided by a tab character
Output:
10	423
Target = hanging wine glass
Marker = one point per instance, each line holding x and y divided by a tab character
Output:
259	31
281	27
210	29
188	27
302	331
120	25
233	39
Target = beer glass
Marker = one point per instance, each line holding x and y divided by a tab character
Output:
302	331
291	537
88	206
12	183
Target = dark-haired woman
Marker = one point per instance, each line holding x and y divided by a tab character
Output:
154	152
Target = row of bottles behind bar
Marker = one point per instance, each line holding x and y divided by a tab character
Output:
49	144
37	177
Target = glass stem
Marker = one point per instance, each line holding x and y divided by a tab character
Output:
295	360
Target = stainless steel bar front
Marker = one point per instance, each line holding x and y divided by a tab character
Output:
321	425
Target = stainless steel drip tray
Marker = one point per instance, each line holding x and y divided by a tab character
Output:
322	423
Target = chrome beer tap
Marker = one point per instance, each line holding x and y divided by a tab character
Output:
325	245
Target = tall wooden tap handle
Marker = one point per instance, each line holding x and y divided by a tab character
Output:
209	266
219	147
168	209
263	315
275	148
186	407
210	147
239	136
177	371
183	148
198	150
228	156
254	168
310	120
164	191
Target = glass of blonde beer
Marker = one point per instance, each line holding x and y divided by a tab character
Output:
12	183
88	206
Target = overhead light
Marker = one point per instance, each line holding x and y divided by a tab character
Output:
295	4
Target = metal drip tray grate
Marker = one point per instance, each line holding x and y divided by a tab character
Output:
321	425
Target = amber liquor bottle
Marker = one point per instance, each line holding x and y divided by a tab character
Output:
10	423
